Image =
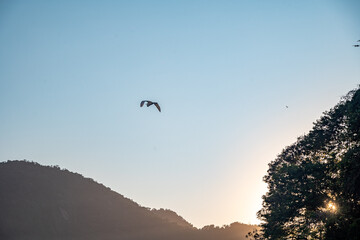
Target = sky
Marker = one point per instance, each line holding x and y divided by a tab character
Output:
73	73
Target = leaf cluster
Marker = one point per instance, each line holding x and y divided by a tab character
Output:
321	169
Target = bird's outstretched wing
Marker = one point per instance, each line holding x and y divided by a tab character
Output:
146	101
157	106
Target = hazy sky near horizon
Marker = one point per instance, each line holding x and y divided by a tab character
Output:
73	73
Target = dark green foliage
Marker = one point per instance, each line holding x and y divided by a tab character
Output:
321	168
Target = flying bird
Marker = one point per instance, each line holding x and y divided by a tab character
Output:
356	45
149	103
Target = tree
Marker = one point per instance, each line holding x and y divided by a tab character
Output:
314	184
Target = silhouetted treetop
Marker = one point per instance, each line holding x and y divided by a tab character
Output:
313	185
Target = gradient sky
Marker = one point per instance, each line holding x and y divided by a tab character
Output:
72	75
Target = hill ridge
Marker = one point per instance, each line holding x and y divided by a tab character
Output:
47	202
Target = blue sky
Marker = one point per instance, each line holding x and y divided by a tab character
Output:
72	75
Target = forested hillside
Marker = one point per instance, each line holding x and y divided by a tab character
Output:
40	202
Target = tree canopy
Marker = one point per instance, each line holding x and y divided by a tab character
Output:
314	184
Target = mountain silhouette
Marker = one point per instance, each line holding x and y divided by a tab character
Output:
172	217
43	202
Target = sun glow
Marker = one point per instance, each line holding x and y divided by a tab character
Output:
331	206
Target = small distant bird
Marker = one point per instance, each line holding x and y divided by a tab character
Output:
356	45
149	103
287	106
